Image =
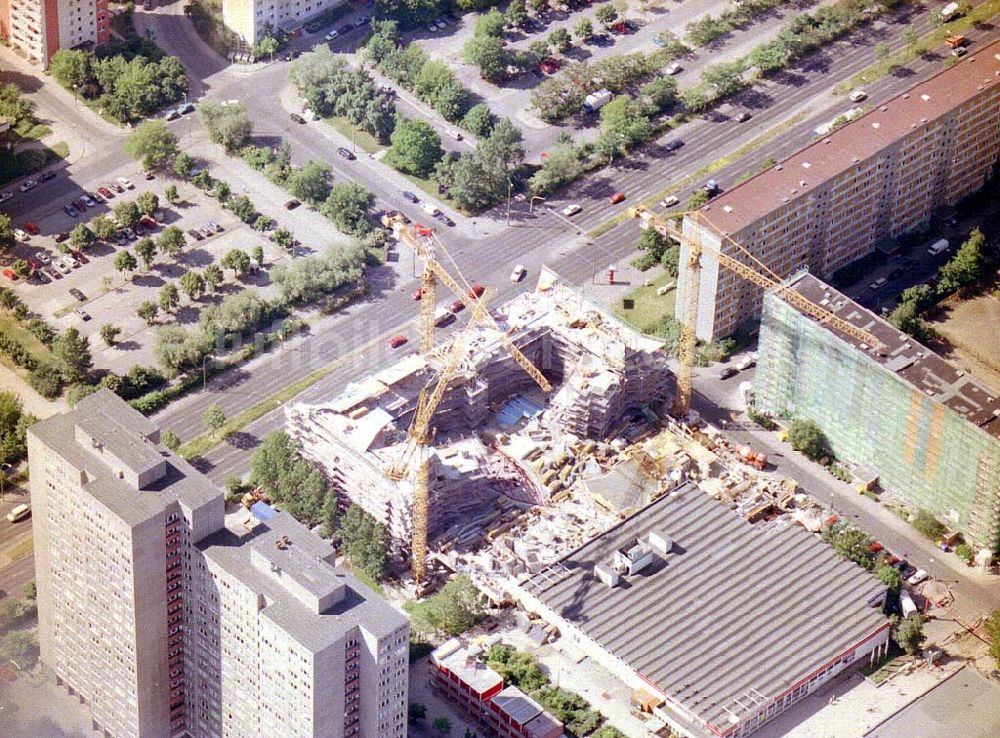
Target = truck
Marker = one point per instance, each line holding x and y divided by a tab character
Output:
755	459
955	41
596	100
939	246
948	12
906	604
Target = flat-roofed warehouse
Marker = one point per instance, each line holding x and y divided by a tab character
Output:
726	622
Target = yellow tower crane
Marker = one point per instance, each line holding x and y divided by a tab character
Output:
423	242
756	272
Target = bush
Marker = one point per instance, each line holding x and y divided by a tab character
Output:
927	525
761	419
46	380
964	552
806	437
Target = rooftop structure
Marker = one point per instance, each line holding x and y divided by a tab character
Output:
729	622
836	200
930	431
487	429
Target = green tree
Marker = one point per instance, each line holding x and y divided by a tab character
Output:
22	269
227	125
202	180
490	25
516	14
726	78
487	53
125	262
539	48
288	479
243	208
606	15
560	40
170	439
890	577
416	147
7	239
583	29
453	610
103	228
183	165
110	333
147	311
881	50
81	237
263	223
806	437
71	351
146	250
909	633
152	143
992	630
148	202
965	268
851	543
171	194
169	298
127	213
221	191
416	711
171	241
70	68
214	418
479	120
21	647
257	253
563	165
927	525
365	542
237	260
192	284
283	237
909	35
442	725
329	515
311	183
347	206
213	277
177	349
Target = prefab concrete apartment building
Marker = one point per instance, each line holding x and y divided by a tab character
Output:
252	20
929	430
834	201
166	623
719	624
40	28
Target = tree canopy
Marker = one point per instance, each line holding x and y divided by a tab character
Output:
152	143
453	610
416	147
288	479
805	436
365	542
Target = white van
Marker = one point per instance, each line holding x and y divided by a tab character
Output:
938	247
443	316
19	513
906	604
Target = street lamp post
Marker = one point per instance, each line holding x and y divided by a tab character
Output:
3	478
510	187
531	205
204	375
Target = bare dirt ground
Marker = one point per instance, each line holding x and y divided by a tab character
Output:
970	326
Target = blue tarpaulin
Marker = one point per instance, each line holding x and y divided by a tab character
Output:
262	511
519	407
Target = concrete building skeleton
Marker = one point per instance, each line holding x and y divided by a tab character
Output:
600	369
930	431
834	201
165	623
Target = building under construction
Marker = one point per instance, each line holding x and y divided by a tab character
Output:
493	420
930	431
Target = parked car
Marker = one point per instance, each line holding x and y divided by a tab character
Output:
52	274
617	198
149	174
70	261
149	222
70	210
28	184
897	273
346	28
196	235
42	257
124	182
711	187
296	118
743	117
518	274
858	95
186	108
917	577
6	195
88	201
670	201
46	176
40	276
11	275
407	195
117	187
673	145
206	231
172	114
84	315
20	235
60	237
364	20
79	256
80	205
878	283
216	228
477	291
332	35
571	210
445	219
61	266
429	208
346	153
292	204
397	341
457	306
728	371
674	68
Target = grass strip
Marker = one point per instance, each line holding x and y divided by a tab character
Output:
747	148
20	550
364	139
884	67
648	308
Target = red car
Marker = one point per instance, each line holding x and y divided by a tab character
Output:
397	341
457	306
78	255
549	66
149	222
30	228
418	293
105	193
616	198
9	274
477	291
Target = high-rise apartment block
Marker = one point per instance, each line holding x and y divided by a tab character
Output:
40	28
929	430
836	200
166	623
251	20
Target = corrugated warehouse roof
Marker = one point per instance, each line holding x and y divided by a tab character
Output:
732	611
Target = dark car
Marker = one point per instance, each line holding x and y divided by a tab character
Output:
457	306
296	118
743	117
362	21
70	210
77	294
185	109
84	315
195	235
292	204
445	219
672	145
46	176
346	154
407	195
727	372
